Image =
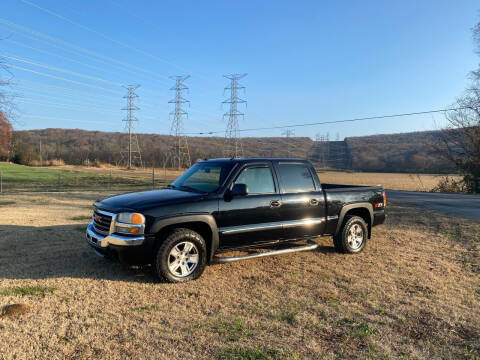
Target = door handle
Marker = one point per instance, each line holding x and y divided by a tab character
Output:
275	203
313	202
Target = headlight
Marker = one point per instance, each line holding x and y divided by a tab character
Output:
131	218
130	223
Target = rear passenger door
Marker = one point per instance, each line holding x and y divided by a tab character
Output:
303	203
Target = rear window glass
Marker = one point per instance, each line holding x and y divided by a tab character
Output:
295	178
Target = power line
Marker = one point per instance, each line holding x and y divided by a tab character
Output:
60	78
92	54
133	154
54	68
333	121
178	152
233	145
106	37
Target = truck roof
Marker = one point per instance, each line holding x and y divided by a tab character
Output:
255	159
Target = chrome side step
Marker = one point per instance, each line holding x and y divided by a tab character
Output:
311	246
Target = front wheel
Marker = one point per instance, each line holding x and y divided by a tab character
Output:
181	256
352	236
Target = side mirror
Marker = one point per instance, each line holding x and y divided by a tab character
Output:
239	190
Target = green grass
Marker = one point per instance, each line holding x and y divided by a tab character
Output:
146	308
233	330
241	353
363	330
28	290
288	316
16	177
7	202
81	217
247	354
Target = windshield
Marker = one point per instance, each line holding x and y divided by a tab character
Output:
203	177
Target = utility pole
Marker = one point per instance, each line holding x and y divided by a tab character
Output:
233	145
40	151
178	152
132	156
288	133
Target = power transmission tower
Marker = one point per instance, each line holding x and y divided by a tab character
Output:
132	155
233	146
288	133
178	153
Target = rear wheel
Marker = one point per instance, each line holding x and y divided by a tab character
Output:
181	256
352	236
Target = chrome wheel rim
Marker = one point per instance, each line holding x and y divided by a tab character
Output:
355	236
183	259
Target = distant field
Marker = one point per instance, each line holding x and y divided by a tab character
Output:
393	181
412	294
26	178
69	177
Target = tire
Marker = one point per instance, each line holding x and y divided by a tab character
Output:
352	237
174	260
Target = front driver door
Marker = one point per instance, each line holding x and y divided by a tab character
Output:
253	218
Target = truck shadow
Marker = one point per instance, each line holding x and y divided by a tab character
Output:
28	252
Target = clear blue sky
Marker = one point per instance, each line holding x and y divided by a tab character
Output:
307	61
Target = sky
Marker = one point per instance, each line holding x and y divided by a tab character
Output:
307	61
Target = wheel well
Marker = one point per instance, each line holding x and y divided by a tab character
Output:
198	226
365	215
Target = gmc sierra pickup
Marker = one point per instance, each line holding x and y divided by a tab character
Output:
220	205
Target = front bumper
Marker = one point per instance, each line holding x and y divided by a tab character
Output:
103	241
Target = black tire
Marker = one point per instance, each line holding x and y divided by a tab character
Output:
163	255
341	240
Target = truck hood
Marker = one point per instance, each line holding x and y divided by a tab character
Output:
143	200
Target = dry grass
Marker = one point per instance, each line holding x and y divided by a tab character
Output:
414	293
392	181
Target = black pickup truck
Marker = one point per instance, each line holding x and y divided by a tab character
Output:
220	205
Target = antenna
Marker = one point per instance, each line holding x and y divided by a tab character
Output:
178	152
132	155
233	145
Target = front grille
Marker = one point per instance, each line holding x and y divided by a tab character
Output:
101	222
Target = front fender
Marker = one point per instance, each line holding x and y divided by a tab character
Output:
162	223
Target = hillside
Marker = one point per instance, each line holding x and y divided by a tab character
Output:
407	152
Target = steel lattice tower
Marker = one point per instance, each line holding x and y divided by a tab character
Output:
233	146
178	153
132	155
288	133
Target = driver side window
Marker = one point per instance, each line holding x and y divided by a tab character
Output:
259	180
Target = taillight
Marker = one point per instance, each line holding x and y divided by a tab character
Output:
384	199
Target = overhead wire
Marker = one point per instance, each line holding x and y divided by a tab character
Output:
332	121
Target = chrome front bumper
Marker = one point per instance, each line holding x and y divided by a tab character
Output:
101	241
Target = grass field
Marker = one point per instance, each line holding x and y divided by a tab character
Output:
64	178
25	178
414	293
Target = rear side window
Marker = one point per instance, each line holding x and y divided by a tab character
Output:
259	180
295	178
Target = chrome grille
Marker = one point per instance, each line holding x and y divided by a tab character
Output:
101	221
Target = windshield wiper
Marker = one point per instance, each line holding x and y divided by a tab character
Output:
189	188
170	186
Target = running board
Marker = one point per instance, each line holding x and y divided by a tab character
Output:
311	246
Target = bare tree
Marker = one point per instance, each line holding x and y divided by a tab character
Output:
460	141
6	132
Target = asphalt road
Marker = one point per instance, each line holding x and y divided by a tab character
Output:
466	206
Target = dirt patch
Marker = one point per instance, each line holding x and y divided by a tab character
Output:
14	310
